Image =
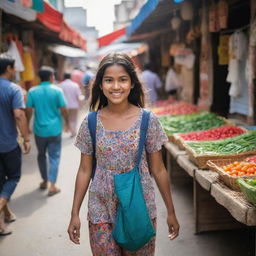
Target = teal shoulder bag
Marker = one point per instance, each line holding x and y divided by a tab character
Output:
133	227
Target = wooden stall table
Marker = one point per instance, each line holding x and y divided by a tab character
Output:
209	214
216	207
171	154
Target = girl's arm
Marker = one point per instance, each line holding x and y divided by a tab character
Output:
82	182
161	177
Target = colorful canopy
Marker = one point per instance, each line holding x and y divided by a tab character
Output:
109	38
53	20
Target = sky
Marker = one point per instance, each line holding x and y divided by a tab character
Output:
100	13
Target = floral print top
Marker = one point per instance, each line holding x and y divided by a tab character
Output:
116	152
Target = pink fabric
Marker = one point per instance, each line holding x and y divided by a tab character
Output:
72	92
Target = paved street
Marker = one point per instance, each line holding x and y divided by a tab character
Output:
40	229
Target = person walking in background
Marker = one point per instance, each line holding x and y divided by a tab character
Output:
12	114
87	81
118	96
151	81
73	96
172	81
49	104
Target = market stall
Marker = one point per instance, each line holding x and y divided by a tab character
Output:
196	138
216	206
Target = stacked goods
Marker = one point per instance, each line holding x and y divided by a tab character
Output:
179	108
193	122
213	134
248	188
232	148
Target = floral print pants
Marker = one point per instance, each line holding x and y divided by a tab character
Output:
103	244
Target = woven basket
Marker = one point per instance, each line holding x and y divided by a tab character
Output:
229	180
171	138
174	138
180	142
201	160
228	122
248	191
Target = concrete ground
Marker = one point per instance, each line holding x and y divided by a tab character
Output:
40	229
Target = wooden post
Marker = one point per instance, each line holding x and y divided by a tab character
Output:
177	173
253	13
252	120
209	215
1	46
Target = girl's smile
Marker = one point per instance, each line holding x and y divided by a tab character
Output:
116	84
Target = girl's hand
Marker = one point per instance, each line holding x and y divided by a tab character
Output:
173	226
74	229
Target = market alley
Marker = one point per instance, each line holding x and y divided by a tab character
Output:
40	229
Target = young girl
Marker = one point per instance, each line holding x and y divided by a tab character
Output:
117	95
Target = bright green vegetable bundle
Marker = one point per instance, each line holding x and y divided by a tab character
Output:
249	189
192	122
238	144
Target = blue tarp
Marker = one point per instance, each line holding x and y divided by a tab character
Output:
145	11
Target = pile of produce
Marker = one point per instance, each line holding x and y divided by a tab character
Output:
213	134
179	108
163	103
248	187
239	144
193	122
251	159
240	168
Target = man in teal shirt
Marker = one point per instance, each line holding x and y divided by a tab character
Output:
49	105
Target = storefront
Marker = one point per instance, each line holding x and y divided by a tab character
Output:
203	38
215	43
28	38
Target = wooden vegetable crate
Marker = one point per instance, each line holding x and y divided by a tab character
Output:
201	160
180	142
229	180
175	138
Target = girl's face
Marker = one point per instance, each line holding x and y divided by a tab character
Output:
116	84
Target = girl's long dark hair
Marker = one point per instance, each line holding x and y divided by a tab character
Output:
136	96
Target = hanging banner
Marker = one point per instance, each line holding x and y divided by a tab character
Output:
16	8
109	38
223	50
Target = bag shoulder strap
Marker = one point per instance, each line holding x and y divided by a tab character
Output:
92	123
143	133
